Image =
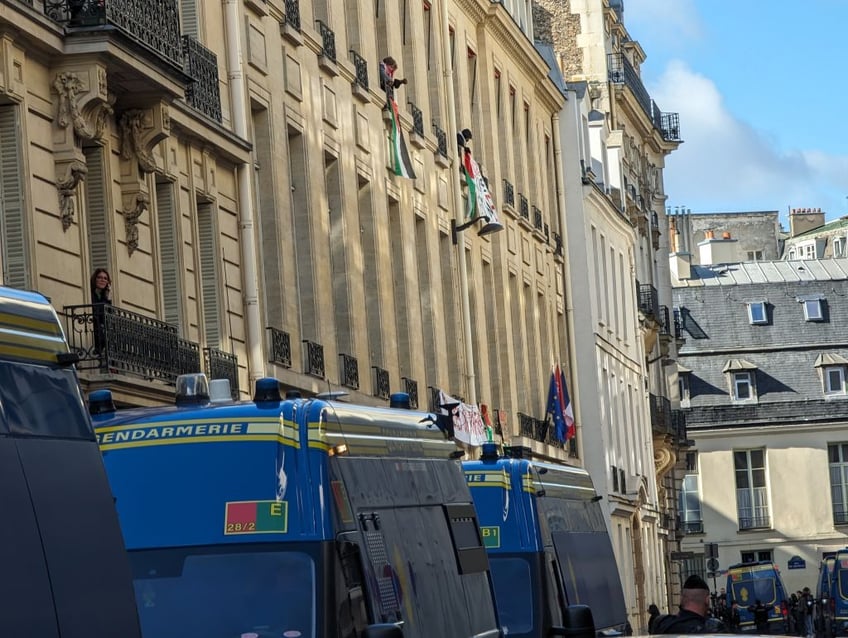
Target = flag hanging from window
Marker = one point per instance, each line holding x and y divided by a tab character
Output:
559	406
480	203
401	163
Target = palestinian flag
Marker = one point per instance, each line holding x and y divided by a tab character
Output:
480	202
401	164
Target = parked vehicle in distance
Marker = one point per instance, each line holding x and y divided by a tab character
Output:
547	541
64	571
748	583
833	599
296	518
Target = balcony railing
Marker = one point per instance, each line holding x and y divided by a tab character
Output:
557	244
441	140
381	382
692	527
622	72
349	371
313	359
201	65
660	414
107	339
665	321
293	14
360	64
328	41
154	24
754	522
410	386
509	193
678	425
279	347
417	119
649	303
222	365
523	207
538	223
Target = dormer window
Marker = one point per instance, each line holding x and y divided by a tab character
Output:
757	314
742	378
833	367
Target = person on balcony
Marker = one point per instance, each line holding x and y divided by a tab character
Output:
101	296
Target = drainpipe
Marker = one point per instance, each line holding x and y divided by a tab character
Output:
247	235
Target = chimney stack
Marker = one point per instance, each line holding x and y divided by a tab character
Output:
802	220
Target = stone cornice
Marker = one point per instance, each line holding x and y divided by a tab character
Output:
474	9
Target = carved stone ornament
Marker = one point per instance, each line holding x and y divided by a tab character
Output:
131	214
133	124
88	119
75	172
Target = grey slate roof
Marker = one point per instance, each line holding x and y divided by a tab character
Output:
782	355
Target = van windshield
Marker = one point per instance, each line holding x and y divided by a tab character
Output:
228	591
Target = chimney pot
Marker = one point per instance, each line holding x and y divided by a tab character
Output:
709	234
725	235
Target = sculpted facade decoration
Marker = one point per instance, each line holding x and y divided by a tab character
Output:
131	216
84	107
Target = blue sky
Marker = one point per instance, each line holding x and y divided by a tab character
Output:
760	89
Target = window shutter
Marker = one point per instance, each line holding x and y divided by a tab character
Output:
188	13
168	253
209	274
95	198
12	222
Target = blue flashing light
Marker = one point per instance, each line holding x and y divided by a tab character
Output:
400	400
489	452
101	402
267	390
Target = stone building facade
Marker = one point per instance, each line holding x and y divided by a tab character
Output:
616	140
763	386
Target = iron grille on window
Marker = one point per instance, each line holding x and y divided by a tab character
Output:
222	365
670	127
293	14
201	65
547	233
649	303
678	425
350	371
755	522
665	322
523	207
557	244
660	414
410	386
381	382
417	120
314	360
509	193
328	41
441	140
537	218
360	64
280	350
152	23
532	428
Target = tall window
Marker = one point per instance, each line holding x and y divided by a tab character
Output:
751	491
690	505
838	457
13	245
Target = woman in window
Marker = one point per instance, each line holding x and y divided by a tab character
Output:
101	296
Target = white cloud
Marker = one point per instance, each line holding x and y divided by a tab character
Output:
674	23
727	164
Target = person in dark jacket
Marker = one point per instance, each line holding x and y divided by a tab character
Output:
101	296
693	615
653	614
761	617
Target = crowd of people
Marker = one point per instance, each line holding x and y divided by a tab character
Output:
704	612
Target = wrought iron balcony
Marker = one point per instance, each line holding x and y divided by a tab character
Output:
754	522
279	347
328	41
665	321
441	140
107	339
620	71
678	425
557	244
154	24
360	64
660	414
532	428
509	193
293	14
410	386
546	231
222	365
417	119
523	207
381	382
649	303
201	65
314	359
349	371
537	218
